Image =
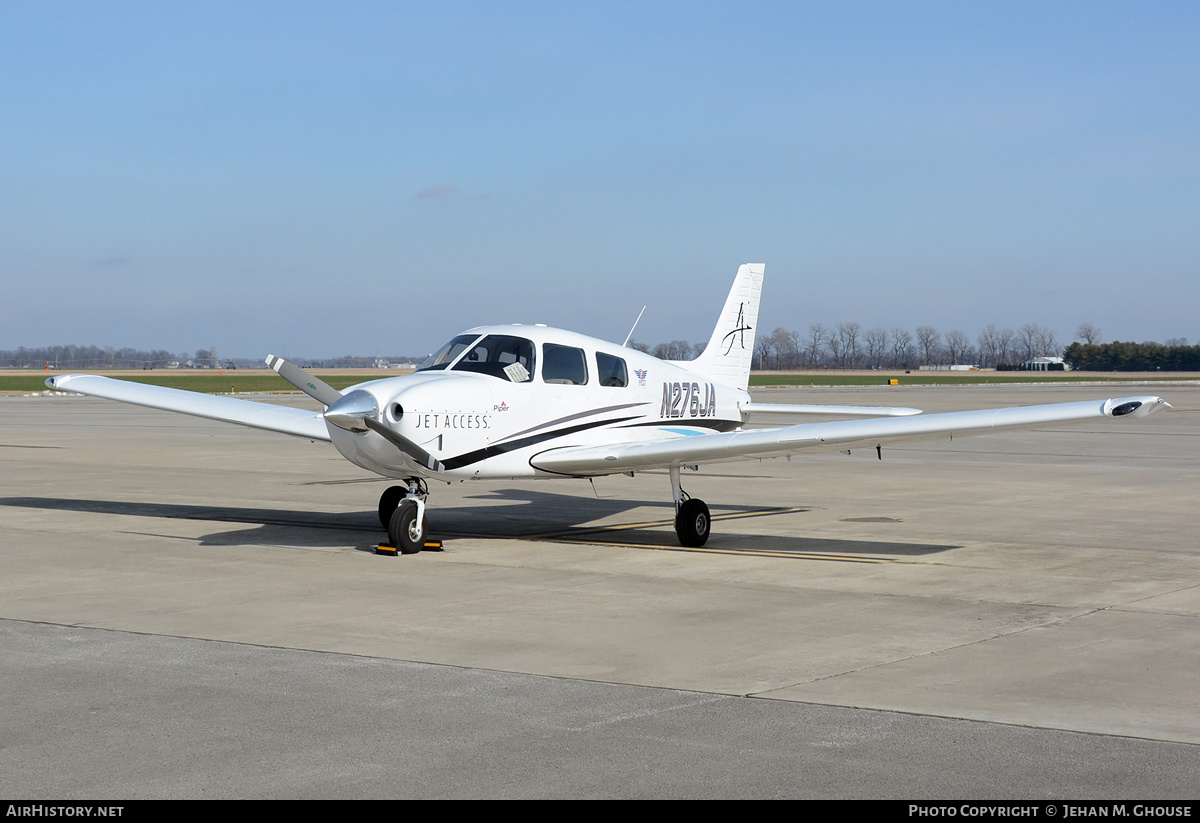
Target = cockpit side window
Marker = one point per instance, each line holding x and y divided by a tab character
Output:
502	356
563	364
610	370
447	353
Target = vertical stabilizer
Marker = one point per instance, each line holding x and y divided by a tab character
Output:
730	350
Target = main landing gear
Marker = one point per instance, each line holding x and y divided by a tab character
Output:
402	513
692	521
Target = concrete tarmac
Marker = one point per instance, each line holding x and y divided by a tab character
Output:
192	609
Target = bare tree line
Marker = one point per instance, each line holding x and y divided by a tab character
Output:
849	346
843	346
108	357
99	357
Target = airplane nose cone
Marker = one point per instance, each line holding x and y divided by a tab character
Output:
351	410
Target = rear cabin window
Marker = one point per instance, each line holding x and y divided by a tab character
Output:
610	371
499	355
563	365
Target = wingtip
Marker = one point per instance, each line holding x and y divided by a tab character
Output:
1133	406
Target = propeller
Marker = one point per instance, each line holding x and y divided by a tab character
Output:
405	445
354	412
314	387
358	412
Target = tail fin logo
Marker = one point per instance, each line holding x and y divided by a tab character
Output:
738	335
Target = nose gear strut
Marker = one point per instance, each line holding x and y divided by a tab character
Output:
402	512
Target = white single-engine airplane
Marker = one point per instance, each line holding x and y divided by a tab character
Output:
501	402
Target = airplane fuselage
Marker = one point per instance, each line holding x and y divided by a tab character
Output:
570	390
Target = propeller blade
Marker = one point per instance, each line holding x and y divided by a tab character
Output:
358	412
405	445
315	388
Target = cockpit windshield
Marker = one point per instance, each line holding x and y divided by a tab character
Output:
448	353
500	355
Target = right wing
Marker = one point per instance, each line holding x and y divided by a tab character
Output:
683	448
298	422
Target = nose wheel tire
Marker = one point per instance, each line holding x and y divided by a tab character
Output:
405	532
388	502
692	522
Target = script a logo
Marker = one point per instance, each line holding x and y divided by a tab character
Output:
739	333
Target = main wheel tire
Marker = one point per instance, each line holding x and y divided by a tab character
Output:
405	532
388	501
692	523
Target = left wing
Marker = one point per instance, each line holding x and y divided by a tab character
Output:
842	434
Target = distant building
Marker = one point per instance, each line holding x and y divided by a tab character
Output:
955	367
1045	364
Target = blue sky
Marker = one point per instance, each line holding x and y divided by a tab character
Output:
324	178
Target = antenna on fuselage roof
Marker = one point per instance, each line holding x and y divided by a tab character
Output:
635	322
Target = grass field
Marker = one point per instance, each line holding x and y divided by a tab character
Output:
263	380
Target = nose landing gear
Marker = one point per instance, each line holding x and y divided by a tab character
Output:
402	513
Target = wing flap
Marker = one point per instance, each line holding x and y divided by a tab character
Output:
297	422
782	413
842	434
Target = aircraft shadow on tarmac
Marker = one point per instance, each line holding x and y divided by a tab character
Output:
512	514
